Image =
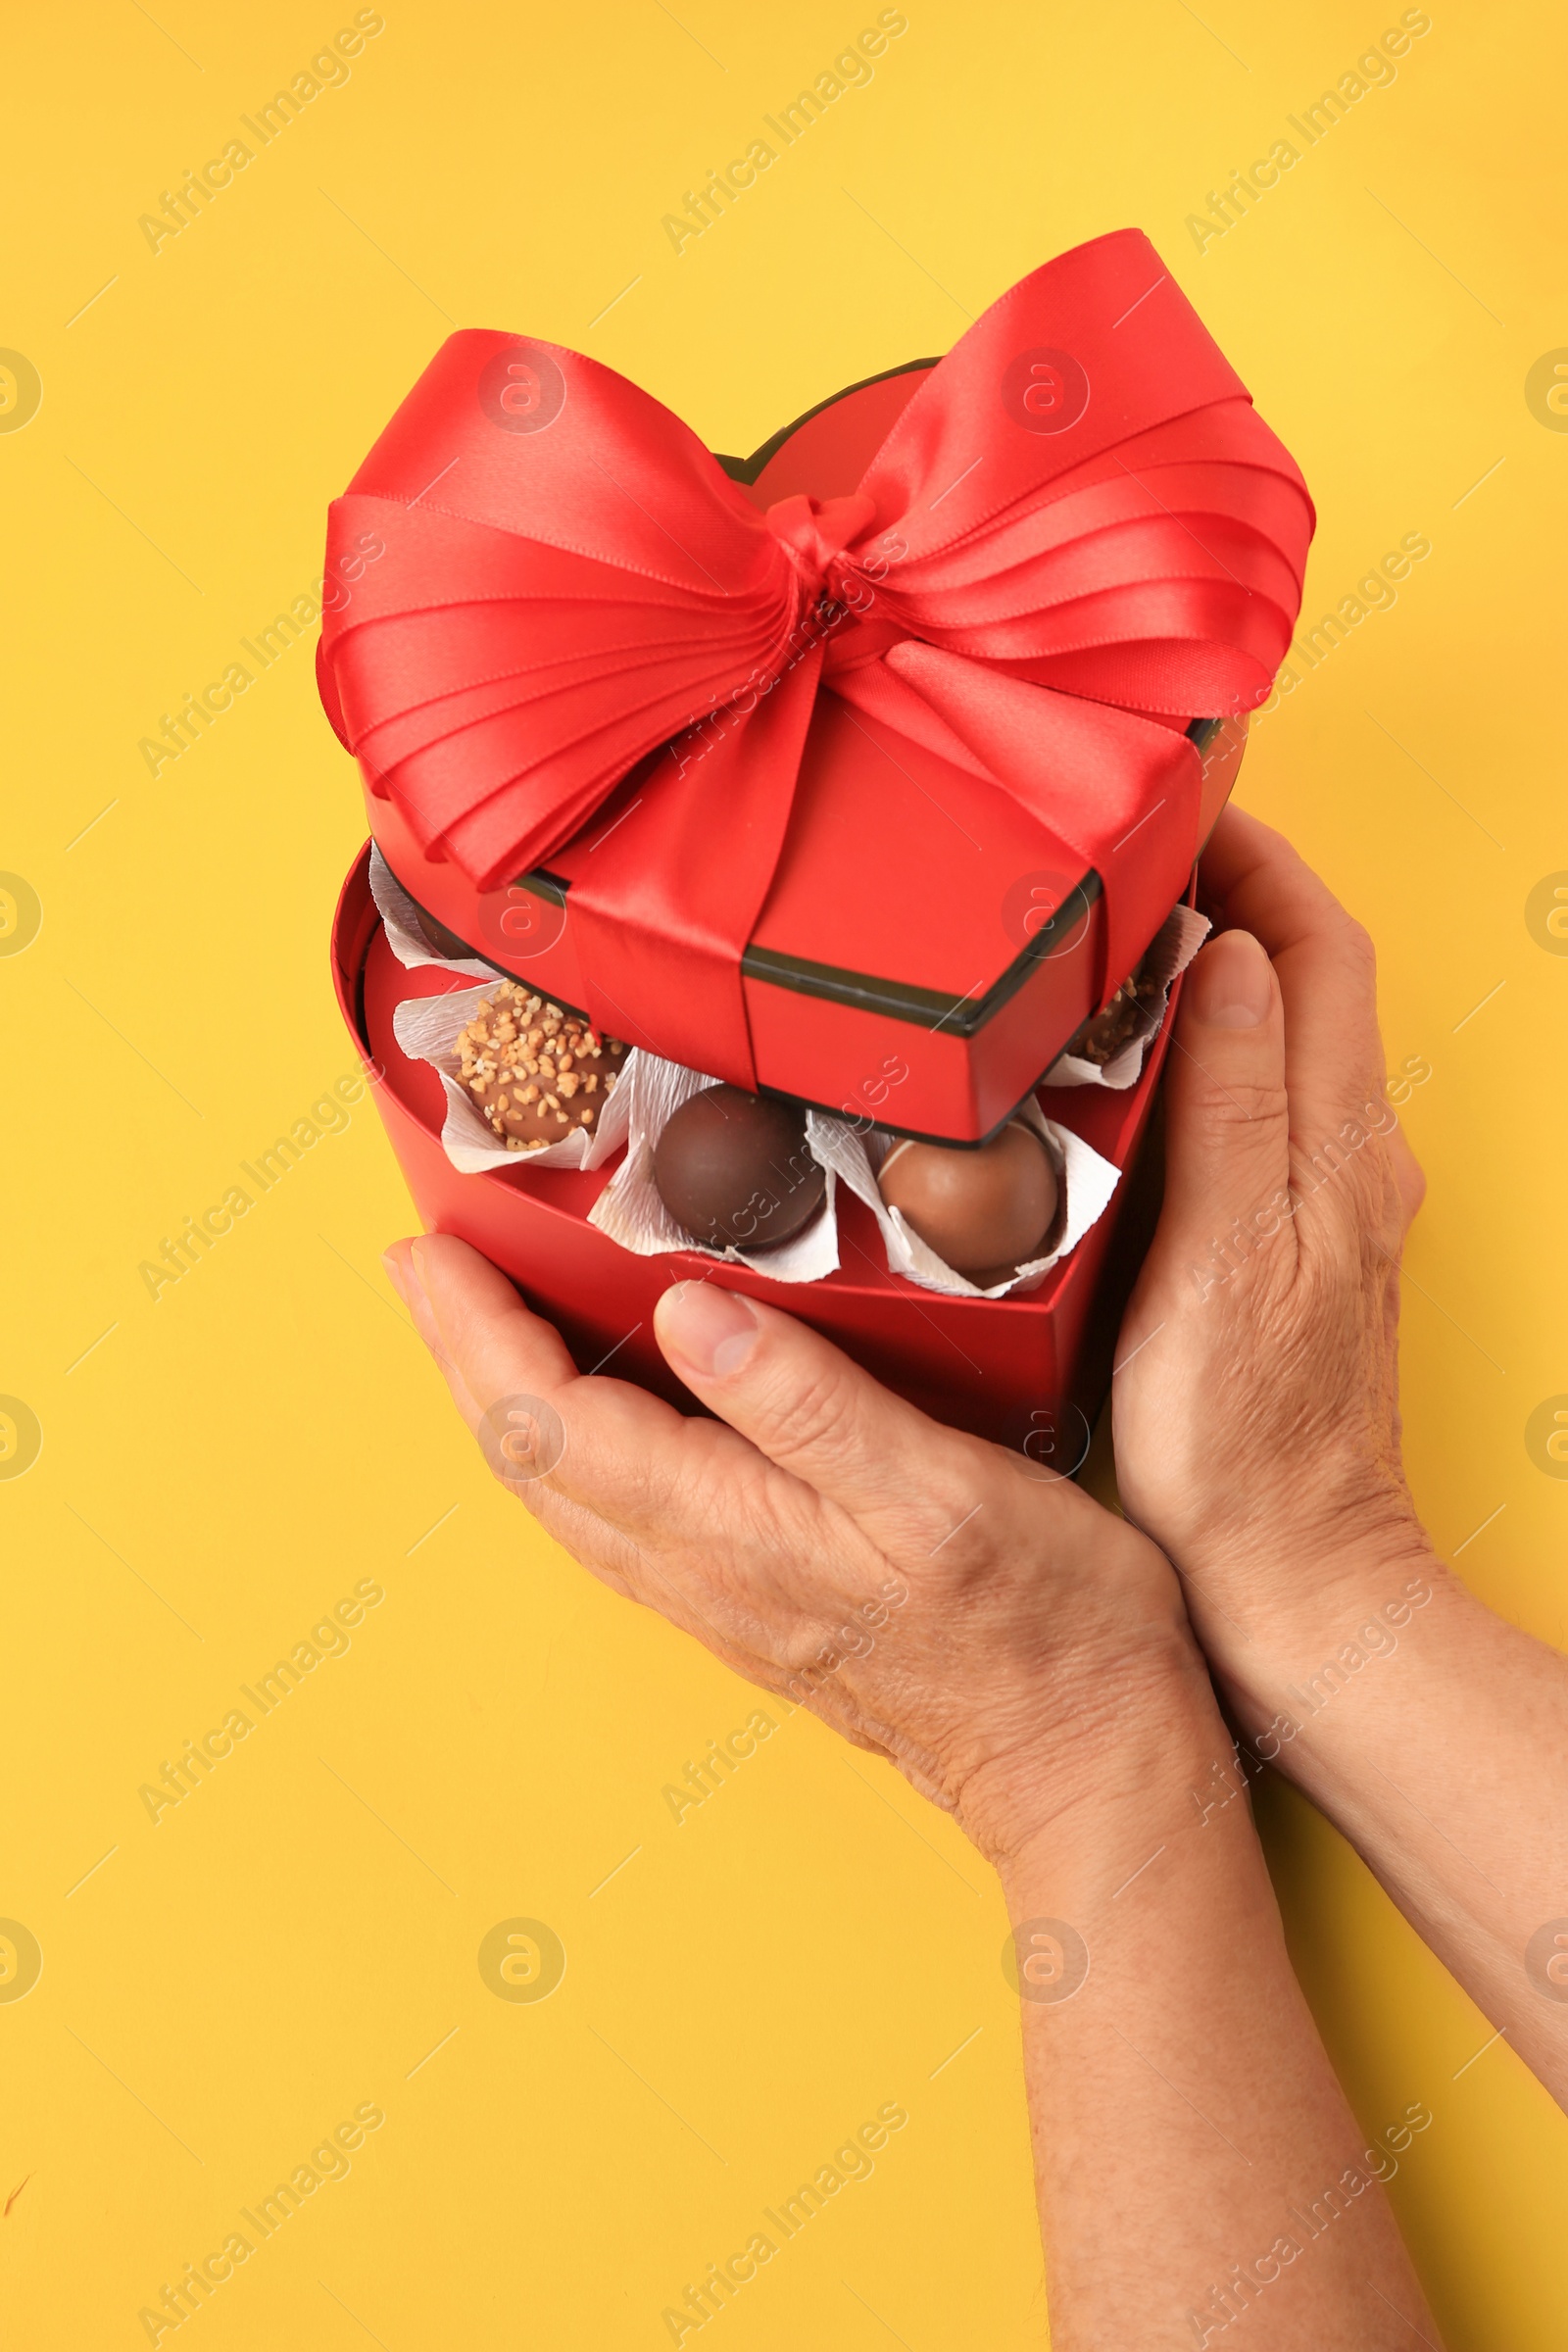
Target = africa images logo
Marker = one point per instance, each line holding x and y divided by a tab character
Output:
521	388
1046	391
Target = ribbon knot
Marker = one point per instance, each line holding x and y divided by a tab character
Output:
815	534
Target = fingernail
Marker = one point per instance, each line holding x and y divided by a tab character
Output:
394	1273
416	1253
713	1328
1231	985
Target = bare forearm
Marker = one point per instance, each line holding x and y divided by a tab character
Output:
1435	1737
1194	2152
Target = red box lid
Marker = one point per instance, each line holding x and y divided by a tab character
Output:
926	938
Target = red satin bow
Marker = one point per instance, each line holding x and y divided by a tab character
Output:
1077	536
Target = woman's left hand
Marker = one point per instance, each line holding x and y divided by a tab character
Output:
935	1599
1023	1655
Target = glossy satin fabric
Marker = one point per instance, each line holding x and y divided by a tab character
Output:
1047	607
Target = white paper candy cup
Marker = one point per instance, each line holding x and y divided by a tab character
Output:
401	922
426	1028
1086	1183
1170	951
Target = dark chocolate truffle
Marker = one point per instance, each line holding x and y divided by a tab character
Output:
734	1169
534	1071
984	1212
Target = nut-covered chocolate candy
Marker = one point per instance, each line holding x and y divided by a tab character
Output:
734	1169
1102	1039
535	1072
985	1212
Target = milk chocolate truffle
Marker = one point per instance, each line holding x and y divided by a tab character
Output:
1102	1039
984	1212
535	1072
734	1169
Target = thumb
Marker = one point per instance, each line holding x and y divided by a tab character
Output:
906	1482
1227	1114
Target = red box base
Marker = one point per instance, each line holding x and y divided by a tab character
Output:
1003	1368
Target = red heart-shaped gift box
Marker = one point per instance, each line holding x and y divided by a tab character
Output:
919	906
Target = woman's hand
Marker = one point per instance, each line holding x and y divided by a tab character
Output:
1255	1414
933	1597
1023	1655
1258	1439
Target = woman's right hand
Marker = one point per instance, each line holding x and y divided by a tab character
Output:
1009	1644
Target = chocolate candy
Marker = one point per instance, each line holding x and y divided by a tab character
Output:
1102	1039
734	1169
984	1212
535	1072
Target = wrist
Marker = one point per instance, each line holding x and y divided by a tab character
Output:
1129	1745
1324	1633
1271	1589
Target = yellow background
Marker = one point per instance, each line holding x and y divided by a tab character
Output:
226	1462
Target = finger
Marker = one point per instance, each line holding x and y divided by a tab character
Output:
488	1343
400	1271
1408	1175
693	1504
615	1450
1257	881
1325	964
1227	1113
603	1549
906	1482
